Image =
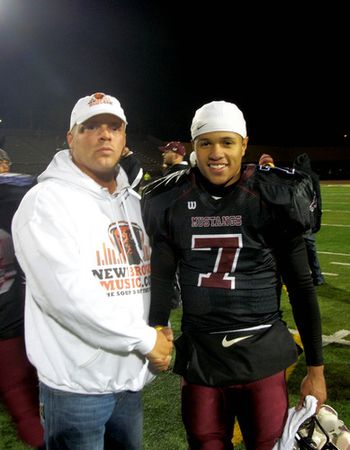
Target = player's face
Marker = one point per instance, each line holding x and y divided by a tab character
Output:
97	144
219	156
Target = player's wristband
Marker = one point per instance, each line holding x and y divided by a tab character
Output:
159	327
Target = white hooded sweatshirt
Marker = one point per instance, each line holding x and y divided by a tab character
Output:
86	257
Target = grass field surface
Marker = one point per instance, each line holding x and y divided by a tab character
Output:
163	429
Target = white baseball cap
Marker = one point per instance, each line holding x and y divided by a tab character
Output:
218	116
92	105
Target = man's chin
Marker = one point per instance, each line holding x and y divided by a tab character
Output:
107	172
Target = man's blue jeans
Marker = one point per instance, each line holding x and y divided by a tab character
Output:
91	422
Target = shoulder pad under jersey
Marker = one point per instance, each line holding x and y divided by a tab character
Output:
166	183
290	192
158	197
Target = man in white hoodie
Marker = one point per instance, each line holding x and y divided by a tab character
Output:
80	240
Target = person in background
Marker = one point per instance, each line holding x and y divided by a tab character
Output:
173	157
220	224
5	161
18	379
173	161
266	160
132	167
302	162
79	238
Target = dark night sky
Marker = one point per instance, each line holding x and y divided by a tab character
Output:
286	67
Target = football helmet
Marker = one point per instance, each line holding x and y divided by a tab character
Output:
312	436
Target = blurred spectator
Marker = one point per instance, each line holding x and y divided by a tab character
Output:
173	161
18	379
302	162
5	161
173	157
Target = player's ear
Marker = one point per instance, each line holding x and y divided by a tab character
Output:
244	145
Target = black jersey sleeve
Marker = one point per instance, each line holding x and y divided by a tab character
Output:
163	268
294	268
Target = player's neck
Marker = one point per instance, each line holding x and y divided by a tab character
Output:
216	190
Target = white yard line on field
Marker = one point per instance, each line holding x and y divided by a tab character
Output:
332	202
333	253
335	185
340	264
335	225
336	338
335	211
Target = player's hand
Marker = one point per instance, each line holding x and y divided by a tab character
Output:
313	384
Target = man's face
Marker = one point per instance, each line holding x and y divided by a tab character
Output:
4	166
169	157
97	144
219	156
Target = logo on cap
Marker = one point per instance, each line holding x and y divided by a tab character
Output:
100	98
92	105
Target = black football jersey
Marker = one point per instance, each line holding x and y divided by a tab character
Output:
227	270
227	250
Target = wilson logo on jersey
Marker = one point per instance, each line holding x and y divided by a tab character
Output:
191	205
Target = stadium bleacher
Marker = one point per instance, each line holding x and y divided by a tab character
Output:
32	150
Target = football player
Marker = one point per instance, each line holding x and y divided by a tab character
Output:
235	232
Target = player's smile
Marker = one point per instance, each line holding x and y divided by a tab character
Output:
218	167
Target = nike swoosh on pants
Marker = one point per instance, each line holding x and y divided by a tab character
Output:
228	342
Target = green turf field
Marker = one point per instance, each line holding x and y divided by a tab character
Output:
163	429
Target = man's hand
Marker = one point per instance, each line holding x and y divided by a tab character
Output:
313	384
160	356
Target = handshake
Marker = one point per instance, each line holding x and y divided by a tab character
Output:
160	355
